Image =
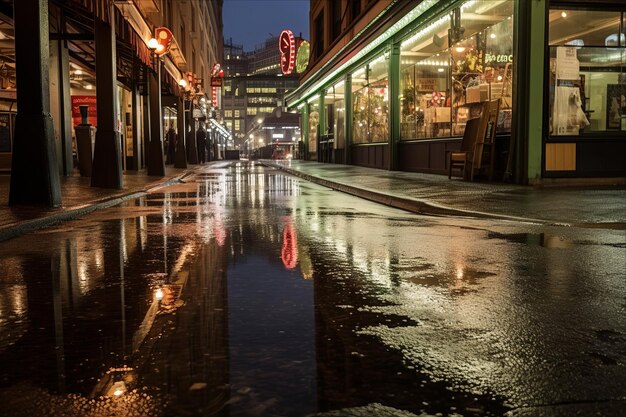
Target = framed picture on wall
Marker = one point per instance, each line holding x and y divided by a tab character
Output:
615	105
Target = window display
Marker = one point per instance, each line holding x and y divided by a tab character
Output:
587	72
370	101
334	99
454	64
314	121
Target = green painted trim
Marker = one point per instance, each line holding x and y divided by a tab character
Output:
348	119
322	125
536	94
394	105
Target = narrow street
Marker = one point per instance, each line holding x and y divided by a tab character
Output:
244	291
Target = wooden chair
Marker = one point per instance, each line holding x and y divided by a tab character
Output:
484	147
463	157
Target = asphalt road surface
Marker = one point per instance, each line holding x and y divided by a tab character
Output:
247	292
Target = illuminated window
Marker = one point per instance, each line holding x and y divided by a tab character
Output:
592	99
370	101
443	84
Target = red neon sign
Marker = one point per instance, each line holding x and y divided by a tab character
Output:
287	48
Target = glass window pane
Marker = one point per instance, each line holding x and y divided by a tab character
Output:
335	100
360	104
314	121
584	28
441	87
370	101
593	102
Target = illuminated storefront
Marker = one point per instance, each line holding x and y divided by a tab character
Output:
398	95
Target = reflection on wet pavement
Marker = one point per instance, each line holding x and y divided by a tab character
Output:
247	292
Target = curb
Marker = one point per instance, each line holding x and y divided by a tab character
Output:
410	204
13	230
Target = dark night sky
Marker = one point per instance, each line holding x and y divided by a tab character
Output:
249	22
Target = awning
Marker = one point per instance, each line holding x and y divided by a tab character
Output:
220	128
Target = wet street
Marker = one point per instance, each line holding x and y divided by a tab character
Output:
247	292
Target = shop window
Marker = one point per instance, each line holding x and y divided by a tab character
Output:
451	66
370	100
335	103
336	17
355	9
314	121
587	72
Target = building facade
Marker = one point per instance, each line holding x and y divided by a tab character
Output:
134	94
254	87
391	84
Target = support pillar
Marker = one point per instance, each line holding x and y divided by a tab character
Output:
146	128
527	129
60	103
348	101
180	159
394	105
107	159
322	129
155	162
305	132
34	174
190	137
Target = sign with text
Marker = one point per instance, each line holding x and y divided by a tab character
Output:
92	115
217	81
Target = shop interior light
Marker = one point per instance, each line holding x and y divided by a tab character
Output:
182	82
563	15
460	49
492	36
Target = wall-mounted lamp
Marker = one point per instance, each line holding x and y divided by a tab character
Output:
153	44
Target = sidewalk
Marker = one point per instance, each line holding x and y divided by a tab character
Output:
78	198
602	206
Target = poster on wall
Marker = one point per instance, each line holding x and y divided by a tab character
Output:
92	114
616	106
567	64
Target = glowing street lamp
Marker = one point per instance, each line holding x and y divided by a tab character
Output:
153	44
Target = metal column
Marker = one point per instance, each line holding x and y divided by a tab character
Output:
34	173
107	159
